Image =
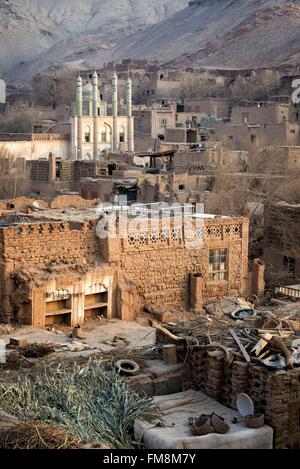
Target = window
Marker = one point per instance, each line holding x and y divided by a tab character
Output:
217	264
163	123
292	131
58	169
122	136
87	135
181	187
103	136
253	138
289	263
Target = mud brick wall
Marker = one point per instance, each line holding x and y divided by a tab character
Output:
40	246
276	394
38	170
36	245
2	269
66	201
160	262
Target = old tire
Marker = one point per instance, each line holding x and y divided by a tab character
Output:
127	367
253	299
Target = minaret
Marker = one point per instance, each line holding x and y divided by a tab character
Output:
115	111
130	127
95	115
79	116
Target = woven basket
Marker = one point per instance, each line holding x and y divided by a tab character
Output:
219	424
255	421
200	426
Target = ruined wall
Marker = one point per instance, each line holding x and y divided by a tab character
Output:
61	201
282	241
43	247
75	201
33	150
155	263
160	262
102	189
37	245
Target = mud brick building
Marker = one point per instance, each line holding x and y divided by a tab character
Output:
61	271
52	175
282	241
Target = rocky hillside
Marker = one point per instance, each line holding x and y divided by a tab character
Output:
223	33
31	28
40	35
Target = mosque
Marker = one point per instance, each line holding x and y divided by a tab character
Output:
92	129
85	134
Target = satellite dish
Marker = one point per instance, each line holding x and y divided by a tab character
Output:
36	204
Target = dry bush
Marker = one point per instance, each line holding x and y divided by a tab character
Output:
53	91
265	178
254	90
13	183
20	123
205	86
201	86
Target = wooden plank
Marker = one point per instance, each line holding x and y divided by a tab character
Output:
240	345
38	308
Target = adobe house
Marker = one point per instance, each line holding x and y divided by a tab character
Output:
152	122
61	271
49	176
259	124
218	107
282	242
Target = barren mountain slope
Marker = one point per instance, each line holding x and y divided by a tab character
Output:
31	27
85	33
223	33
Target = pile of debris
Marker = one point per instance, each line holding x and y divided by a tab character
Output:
237	328
20	353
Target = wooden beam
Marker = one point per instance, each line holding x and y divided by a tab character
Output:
240	345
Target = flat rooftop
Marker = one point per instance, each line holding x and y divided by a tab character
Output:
81	215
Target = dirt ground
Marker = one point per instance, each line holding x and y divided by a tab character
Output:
97	336
103	339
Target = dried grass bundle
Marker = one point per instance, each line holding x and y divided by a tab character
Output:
37	435
87	401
